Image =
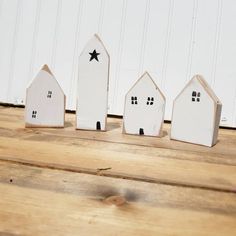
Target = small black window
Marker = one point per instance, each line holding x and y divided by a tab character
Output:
34	114
196	96
150	100
49	95
134	100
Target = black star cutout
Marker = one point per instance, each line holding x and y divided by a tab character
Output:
94	55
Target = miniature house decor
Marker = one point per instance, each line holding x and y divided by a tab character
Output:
196	114
45	101
144	108
93	77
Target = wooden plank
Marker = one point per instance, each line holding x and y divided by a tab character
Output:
134	166
34	147
39	201
12	119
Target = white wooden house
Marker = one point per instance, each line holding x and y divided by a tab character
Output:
92	95
144	108
196	114
45	101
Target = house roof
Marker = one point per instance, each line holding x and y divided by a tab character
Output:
205	86
46	69
146	75
98	39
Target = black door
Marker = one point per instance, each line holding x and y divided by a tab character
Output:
98	125
141	131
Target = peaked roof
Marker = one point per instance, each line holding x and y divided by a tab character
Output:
204	85
46	69
146	75
98	39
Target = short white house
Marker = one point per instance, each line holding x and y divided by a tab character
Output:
45	101
196	114
92	93
144	108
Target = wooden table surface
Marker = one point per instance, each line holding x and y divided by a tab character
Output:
70	182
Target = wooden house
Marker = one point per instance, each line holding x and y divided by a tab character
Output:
45	101
196	114
92	93
144	108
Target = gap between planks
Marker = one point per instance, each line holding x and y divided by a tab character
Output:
105	173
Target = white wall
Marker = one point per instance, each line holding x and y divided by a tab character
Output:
172	39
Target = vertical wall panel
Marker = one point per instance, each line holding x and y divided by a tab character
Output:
205	39
45	35
157	31
66	50
112	22
131	50
22	56
225	79
177	51
8	24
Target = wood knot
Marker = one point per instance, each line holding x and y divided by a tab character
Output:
115	200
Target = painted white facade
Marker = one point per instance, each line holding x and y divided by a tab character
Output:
93	78
196	114
173	40
144	108
45	101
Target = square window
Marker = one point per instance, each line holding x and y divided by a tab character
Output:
34	114
196	96
49	95
150	100
134	100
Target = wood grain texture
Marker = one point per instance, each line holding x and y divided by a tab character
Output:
40	201
89	151
70	182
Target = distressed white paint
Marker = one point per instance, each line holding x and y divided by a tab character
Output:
196	114
93	77
45	101
144	108
170	39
